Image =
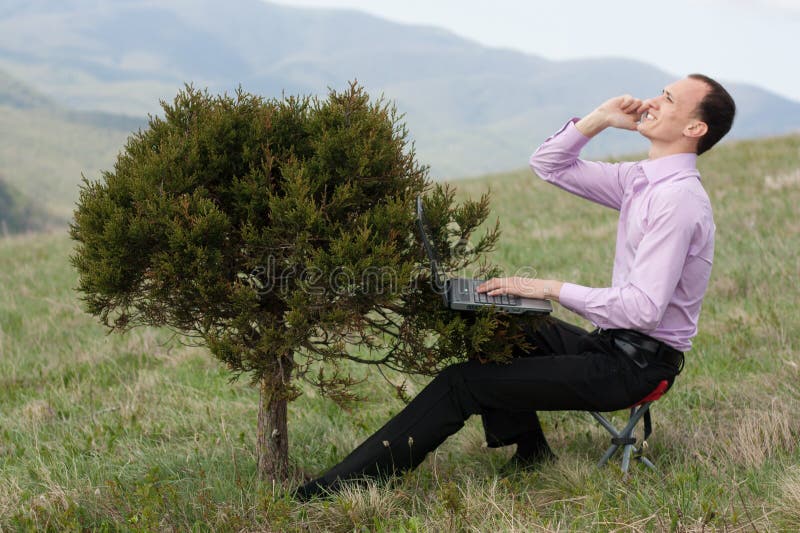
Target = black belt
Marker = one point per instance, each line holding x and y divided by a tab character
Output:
640	347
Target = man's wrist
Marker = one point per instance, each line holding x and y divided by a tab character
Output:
551	289
592	124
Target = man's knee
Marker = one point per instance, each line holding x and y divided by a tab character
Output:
453	379
451	375
458	373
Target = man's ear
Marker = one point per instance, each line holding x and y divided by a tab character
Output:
696	129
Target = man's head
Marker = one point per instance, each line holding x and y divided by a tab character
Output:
717	110
690	115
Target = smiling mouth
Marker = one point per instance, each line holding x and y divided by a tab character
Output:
646	117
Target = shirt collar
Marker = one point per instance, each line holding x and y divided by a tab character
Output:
668	166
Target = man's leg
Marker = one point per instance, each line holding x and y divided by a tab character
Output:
595	379
438	411
503	427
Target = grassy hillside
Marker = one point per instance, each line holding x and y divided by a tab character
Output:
44	148
143	433
43	153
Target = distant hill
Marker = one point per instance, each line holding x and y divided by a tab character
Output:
14	93
44	148
18	214
471	109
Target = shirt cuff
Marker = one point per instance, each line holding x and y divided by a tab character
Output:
571	136
573	297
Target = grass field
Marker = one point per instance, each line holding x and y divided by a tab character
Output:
140	432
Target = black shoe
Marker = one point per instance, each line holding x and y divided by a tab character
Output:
527	462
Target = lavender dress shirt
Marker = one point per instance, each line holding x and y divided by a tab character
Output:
665	238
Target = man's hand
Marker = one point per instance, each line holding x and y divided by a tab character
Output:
619	112
544	289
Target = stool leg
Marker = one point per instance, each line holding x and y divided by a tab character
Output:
647	462
626	459
628	450
627	433
635	417
611	429
609	452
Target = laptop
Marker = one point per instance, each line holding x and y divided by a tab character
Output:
460	294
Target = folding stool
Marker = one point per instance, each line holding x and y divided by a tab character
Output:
626	438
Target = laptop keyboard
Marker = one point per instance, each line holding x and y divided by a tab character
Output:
500	299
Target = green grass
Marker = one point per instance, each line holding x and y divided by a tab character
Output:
140	432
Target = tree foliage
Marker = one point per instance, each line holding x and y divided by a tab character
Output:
281	233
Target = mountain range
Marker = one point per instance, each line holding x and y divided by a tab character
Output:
470	109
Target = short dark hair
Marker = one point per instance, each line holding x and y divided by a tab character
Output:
717	110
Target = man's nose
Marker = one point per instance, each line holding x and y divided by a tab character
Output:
651	103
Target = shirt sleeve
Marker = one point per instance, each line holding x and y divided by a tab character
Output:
556	161
660	258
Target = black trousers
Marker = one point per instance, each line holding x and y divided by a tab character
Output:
569	369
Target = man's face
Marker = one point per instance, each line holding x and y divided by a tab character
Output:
671	116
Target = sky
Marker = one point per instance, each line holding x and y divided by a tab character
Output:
751	41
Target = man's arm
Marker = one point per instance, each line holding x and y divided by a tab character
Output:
640	304
557	159
661	256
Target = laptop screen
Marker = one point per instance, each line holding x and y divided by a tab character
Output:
436	276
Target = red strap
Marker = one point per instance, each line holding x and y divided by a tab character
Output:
659	391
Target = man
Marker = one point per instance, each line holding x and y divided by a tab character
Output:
645	320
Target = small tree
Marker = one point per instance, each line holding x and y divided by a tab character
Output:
279	233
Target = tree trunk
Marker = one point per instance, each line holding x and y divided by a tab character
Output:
272	439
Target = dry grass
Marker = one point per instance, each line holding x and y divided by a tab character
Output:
789	498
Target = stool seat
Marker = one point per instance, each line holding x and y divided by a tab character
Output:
626	438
